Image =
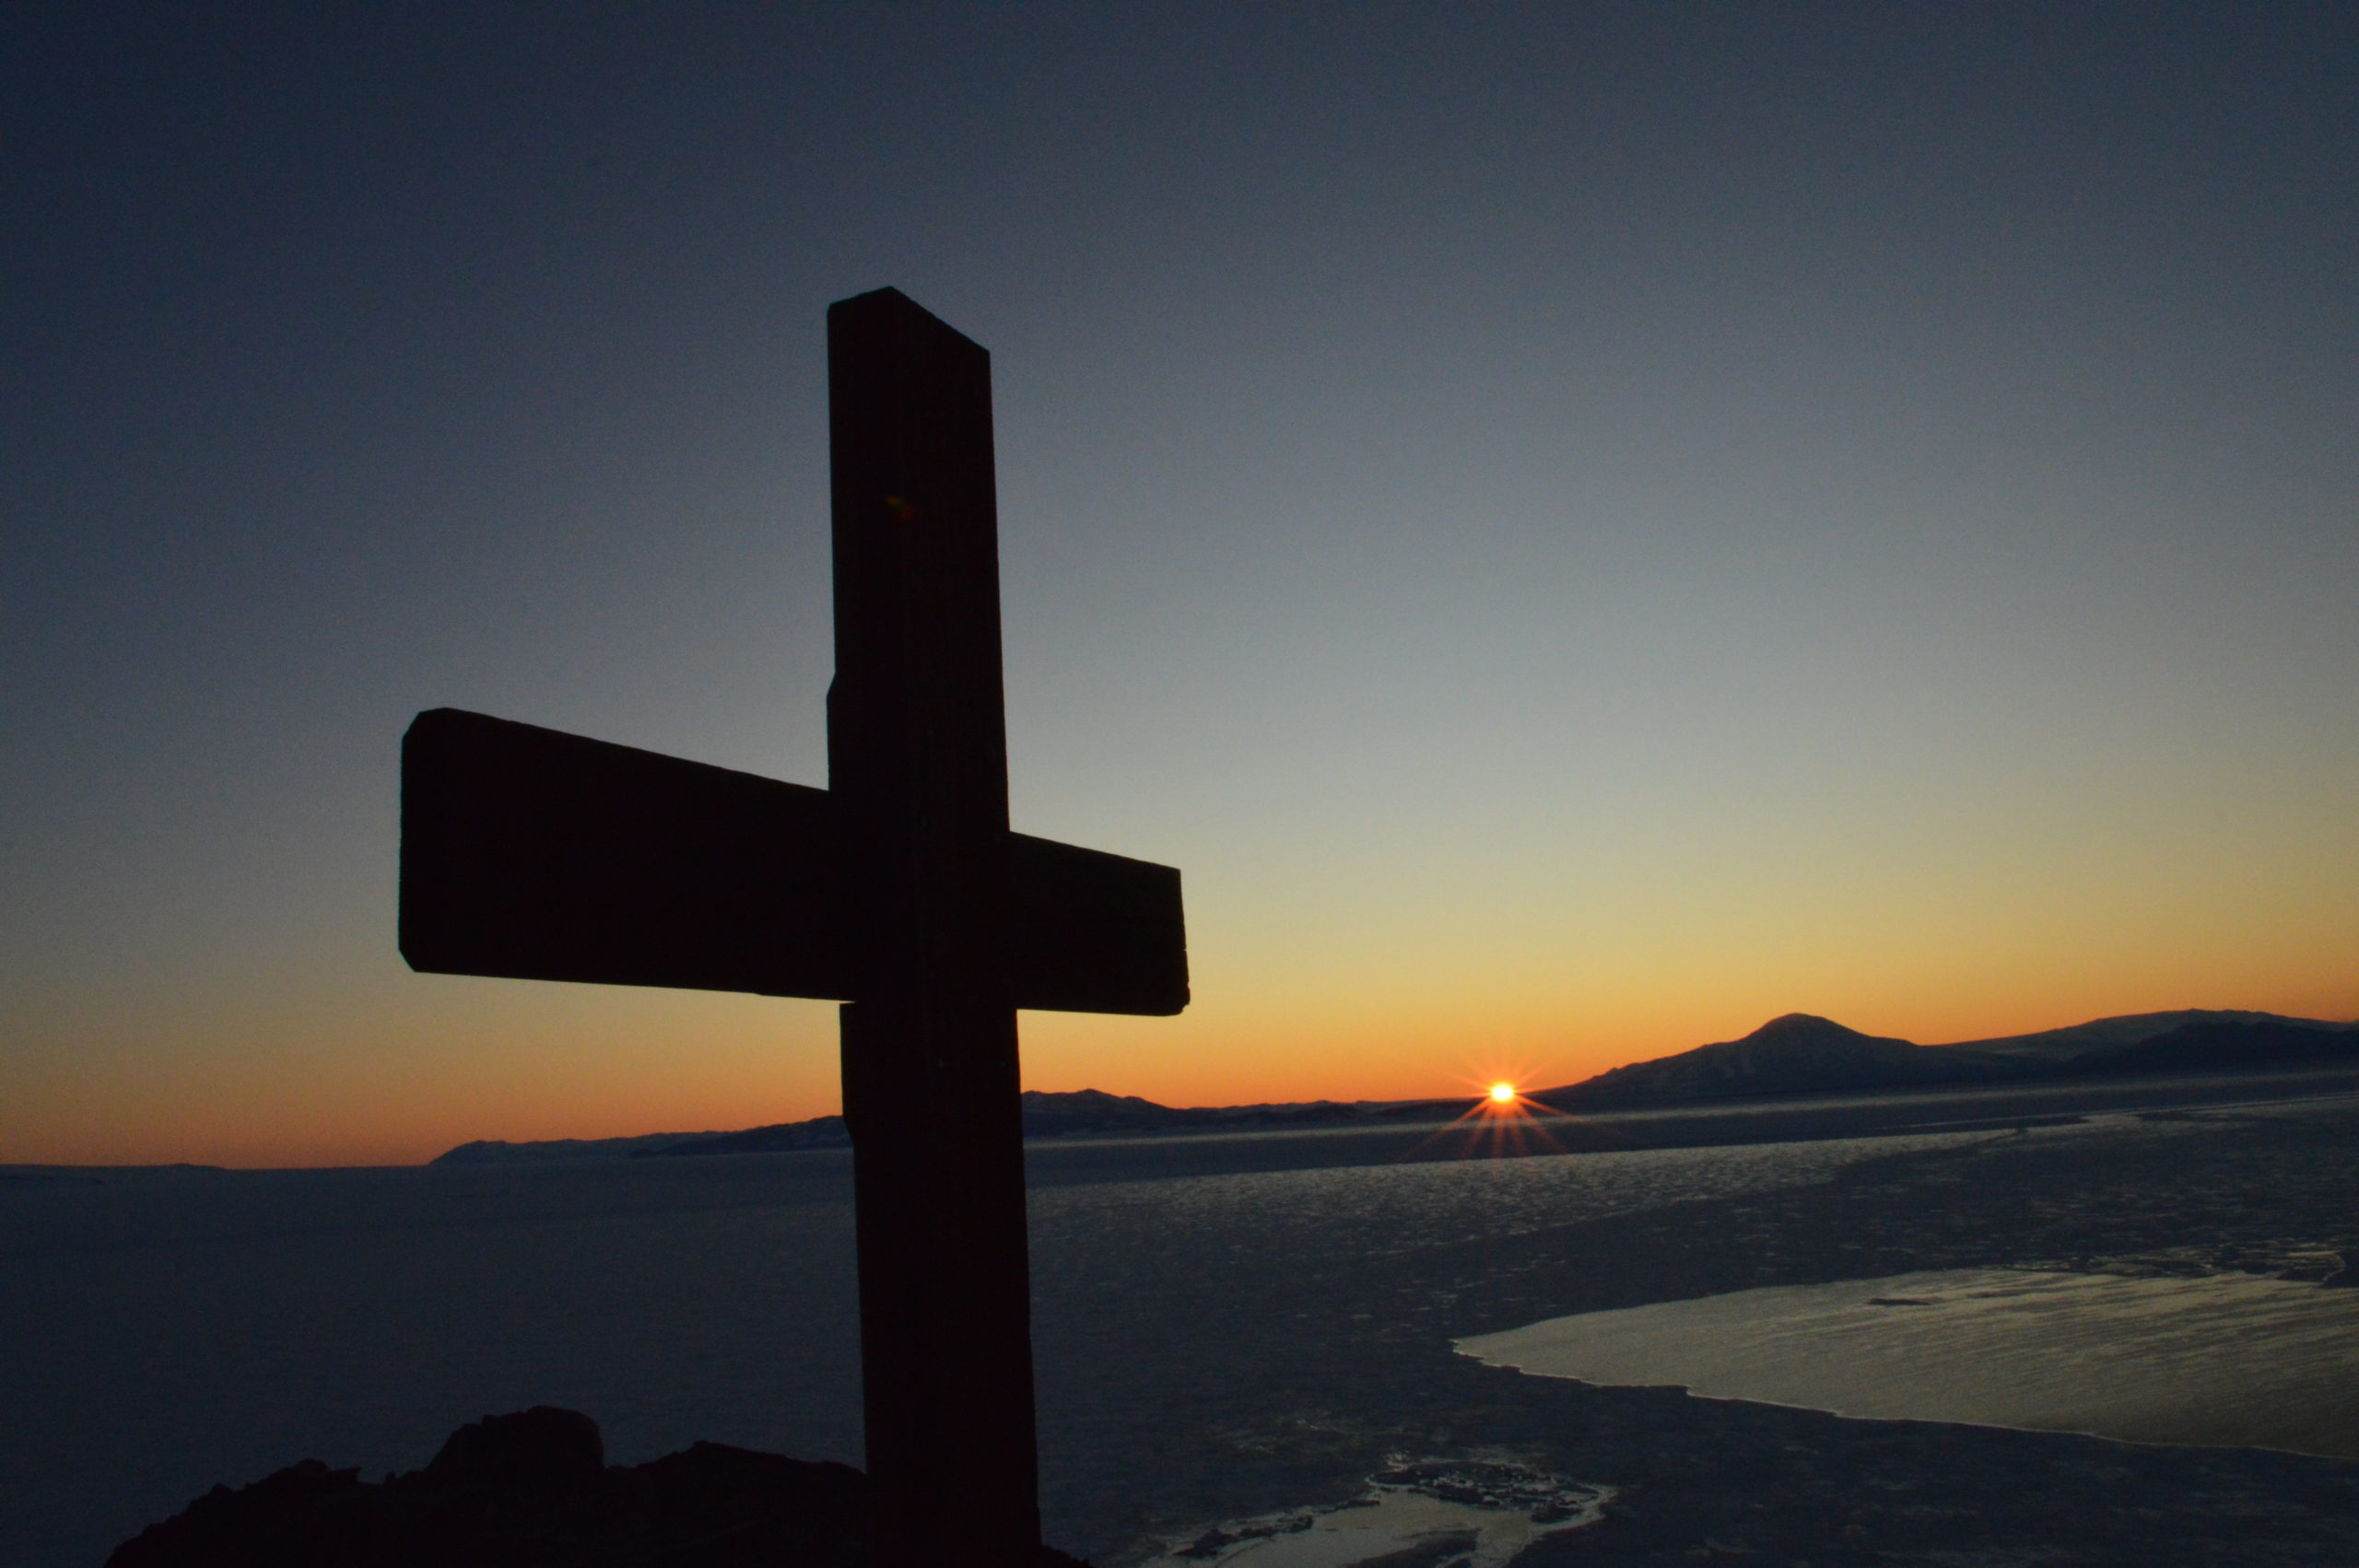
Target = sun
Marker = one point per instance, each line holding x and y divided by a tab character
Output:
1500	1122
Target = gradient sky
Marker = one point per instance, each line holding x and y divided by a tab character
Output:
1580	528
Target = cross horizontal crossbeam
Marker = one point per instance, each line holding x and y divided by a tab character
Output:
531	854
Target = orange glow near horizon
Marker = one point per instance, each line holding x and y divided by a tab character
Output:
311	1064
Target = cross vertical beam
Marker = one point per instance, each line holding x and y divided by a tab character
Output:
535	855
917	754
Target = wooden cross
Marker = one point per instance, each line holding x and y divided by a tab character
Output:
899	889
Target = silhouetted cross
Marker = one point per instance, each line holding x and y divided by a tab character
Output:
535	854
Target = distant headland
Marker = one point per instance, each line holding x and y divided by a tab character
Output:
1045	1115
1797	1054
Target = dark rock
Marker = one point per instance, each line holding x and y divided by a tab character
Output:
531	1490
541	1450
306	1512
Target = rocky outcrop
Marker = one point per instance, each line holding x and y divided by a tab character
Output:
530	1490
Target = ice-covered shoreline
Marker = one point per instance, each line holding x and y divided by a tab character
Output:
2140	1355
1475	1512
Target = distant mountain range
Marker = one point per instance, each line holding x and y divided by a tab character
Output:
1802	1054
1792	1054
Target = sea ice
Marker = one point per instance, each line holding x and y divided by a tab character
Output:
2221	1359
1422	1514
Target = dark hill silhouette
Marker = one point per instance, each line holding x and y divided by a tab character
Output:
524	1489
